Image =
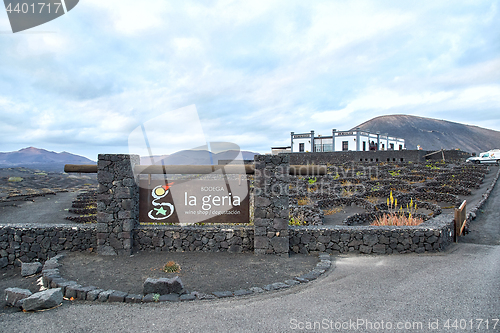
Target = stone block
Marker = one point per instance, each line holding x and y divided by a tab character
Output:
104	217
187	297
279	285
163	286
292	282
280	224
133	298
379	249
71	290
93	295
106	250
222	294
262	202
149	298
105	176
242	292
365	249
117	296
432	239
260	222
370	239
235	249
261	242
169	298
81	293
42	300
280	244
31	268
4	261
103	296
355	243
16	296
123	193
56	282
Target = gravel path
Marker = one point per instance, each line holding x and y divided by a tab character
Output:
46	209
485	229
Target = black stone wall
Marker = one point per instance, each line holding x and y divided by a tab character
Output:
117	202
29	243
272	178
372	156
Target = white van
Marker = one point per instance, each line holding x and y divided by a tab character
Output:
492	156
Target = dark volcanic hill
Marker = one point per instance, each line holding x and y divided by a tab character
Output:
434	134
41	159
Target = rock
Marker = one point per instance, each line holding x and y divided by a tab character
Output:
176	285
257	290
242	292
51	264
221	294
103	296
71	290
292	282
279	285
163	286
81	293
117	296
187	297
4	262
133	298
148	298
106	250
169	298
93	294
16	296
31	268
43	300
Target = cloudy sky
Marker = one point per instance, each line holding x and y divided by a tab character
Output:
254	70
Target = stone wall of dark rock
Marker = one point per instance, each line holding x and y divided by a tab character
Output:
171	238
29	243
271	214
429	236
117	201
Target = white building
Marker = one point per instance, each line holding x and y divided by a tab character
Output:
355	140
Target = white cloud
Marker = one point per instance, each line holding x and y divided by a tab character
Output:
131	17
255	70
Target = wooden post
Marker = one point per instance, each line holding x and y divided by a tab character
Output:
460	219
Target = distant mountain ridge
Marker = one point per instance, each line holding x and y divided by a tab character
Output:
42	159
197	157
36	158
434	134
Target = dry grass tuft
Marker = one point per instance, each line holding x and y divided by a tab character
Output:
333	211
394	219
304	201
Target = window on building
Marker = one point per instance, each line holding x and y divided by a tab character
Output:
364	145
392	146
345	145
400	147
301	147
